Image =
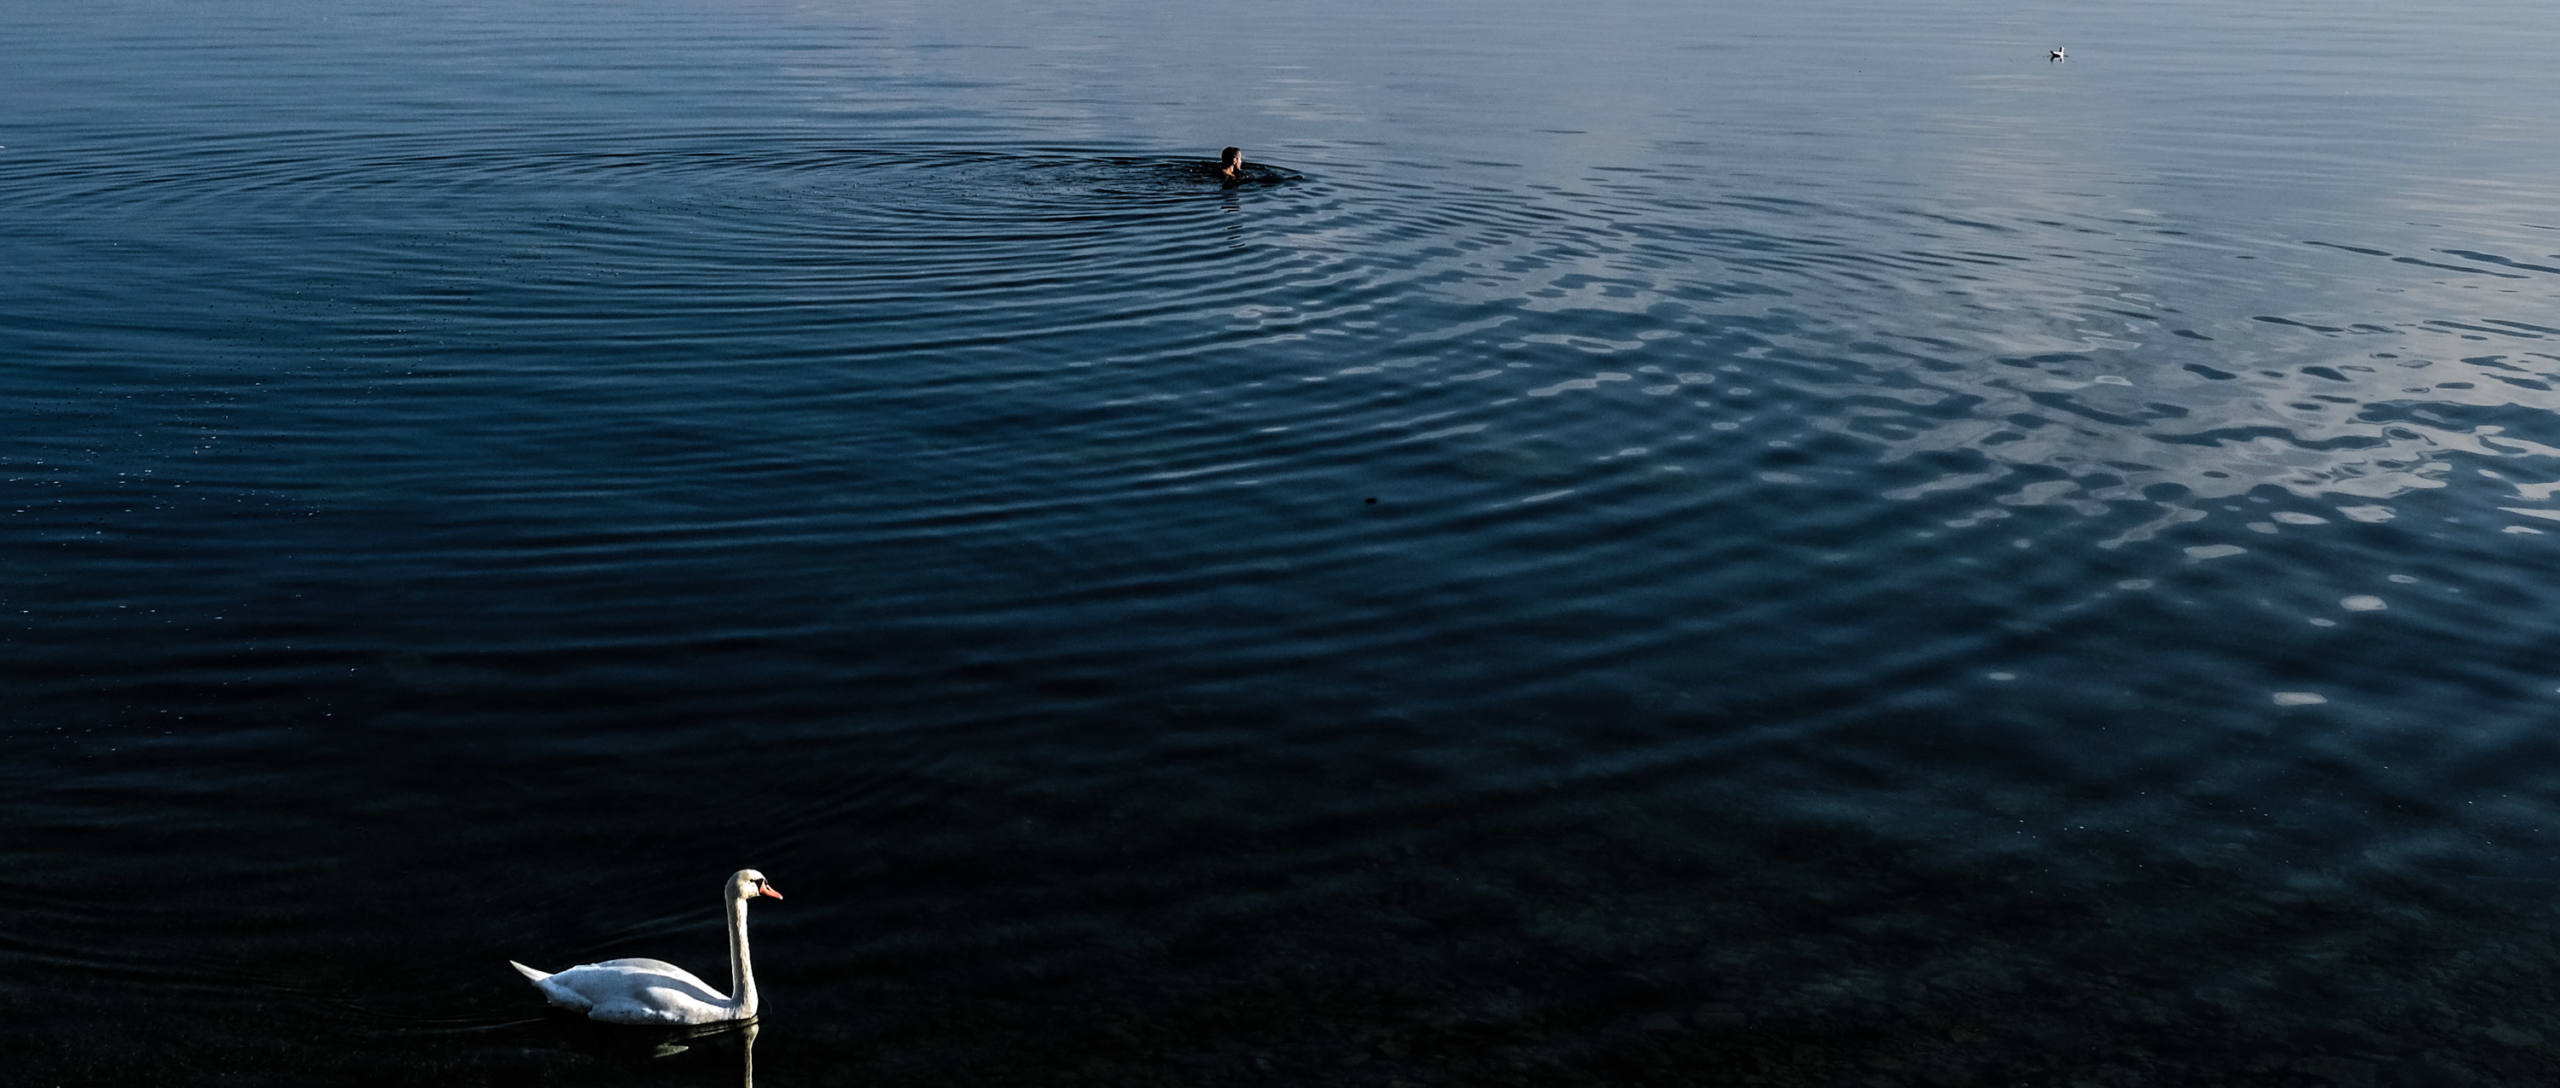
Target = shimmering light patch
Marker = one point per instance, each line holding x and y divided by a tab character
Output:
2300	698
2371	515
2363	602
2003	677
2290	517
1575	384
2136	585
2215	551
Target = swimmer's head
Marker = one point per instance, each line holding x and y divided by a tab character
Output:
1230	161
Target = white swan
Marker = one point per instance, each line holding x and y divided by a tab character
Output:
643	991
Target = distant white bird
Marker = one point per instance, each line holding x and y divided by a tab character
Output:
642	991
2057	54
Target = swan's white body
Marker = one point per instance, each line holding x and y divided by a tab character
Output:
637	991
646	991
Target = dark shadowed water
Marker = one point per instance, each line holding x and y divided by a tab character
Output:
1657	543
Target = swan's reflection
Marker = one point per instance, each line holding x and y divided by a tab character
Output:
704	1046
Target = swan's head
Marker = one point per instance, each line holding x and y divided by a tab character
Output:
748	884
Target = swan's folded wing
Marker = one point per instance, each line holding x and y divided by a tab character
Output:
563	996
643	963
658	1005
633	991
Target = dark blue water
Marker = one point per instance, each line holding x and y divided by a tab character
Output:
1656	545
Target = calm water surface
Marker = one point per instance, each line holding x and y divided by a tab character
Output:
1667	544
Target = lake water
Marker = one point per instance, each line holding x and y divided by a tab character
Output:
1659	544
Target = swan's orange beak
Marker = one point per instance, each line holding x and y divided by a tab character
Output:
769	892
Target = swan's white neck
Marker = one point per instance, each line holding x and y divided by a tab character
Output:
742	973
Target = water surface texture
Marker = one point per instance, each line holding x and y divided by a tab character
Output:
1662	544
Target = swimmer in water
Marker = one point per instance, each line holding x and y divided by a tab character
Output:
1231	163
